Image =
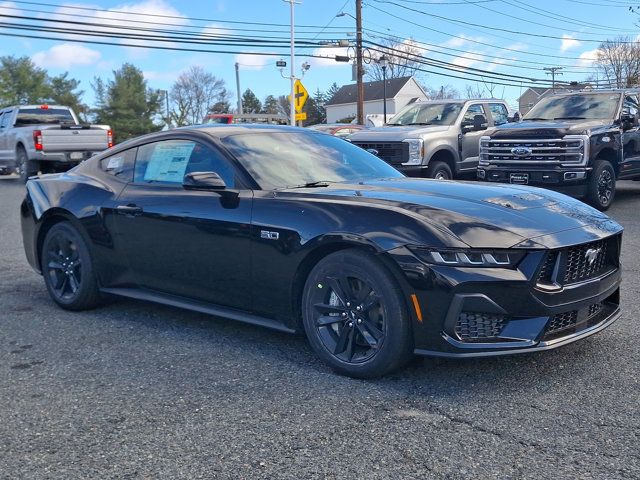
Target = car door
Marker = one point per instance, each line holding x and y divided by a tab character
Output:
630	165
4	127
190	243
470	138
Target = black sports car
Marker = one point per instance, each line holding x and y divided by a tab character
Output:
296	230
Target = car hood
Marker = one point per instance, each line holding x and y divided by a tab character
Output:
390	134
550	129
481	215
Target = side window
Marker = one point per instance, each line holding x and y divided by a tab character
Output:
120	165
169	161
499	113
4	121
630	105
471	112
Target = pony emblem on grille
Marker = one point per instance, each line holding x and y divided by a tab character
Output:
591	255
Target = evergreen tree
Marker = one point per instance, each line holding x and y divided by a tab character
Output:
270	105
64	91
127	104
333	89
250	103
22	82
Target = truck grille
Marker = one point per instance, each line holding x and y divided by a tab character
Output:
547	151
394	153
580	262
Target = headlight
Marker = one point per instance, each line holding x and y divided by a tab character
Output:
416	151
469	258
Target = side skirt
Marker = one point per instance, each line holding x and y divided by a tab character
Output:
196	306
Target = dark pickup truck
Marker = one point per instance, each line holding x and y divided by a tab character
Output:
579	143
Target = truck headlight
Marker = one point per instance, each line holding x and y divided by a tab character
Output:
416	151
469	257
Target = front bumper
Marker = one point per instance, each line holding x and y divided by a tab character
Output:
569	180
508	306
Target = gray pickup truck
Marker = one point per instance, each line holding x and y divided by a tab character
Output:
435	139
47	139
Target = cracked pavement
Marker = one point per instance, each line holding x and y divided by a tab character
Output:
136	390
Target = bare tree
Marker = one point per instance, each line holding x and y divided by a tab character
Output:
194	94
402	59
618	61
475	91
442	92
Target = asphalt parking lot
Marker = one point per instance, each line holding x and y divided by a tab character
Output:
135	390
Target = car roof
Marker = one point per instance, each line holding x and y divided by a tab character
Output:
225	130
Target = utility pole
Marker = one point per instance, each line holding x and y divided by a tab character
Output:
359	68
553	71
238	89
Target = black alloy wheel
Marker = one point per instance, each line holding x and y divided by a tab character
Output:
602	185
67	269
354	316
439	171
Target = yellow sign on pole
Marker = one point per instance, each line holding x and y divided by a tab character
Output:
301	95
301	116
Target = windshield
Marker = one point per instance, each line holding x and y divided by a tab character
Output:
427	114
289	159
591	106
43	116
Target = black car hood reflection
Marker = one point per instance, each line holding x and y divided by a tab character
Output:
479	215
550	128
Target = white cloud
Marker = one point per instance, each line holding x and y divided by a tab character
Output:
568	42
9	8
587	58
469	60
250	61
66	55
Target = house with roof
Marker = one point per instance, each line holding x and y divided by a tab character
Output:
400	92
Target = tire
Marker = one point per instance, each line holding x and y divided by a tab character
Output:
355	316
67	269
25	167
439	170
601	186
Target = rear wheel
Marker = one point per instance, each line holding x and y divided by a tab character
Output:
439	170
67	269
601	186
355	317
25	167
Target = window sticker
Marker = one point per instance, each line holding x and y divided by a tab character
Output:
168	162
115	163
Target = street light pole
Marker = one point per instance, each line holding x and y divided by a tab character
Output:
240	112
292	105
383	65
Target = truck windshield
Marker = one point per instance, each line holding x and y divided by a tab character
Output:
590	106
427	114
43	116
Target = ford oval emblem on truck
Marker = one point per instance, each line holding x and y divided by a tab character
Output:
521	151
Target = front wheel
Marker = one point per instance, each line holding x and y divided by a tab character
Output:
439	171
601	186
355	316
67	269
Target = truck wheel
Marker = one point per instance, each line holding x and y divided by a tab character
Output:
439	171
601	186
24	166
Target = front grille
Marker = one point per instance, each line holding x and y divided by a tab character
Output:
578	266
479	326
579	263
547	151
394	153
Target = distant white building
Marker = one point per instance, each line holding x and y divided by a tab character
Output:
400	92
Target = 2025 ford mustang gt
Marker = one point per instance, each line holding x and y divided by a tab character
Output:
301	231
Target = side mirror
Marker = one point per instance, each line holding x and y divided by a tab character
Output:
203	181
479	122
515	118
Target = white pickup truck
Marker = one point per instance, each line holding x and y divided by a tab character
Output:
47	139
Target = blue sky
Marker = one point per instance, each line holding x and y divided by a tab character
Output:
522	37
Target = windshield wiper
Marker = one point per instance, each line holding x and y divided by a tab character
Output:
419	123
316	184
536	118
570	118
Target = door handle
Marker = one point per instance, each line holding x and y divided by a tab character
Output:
130	210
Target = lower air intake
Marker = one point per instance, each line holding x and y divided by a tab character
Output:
479	326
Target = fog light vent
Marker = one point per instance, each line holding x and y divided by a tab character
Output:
562	321
479	326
